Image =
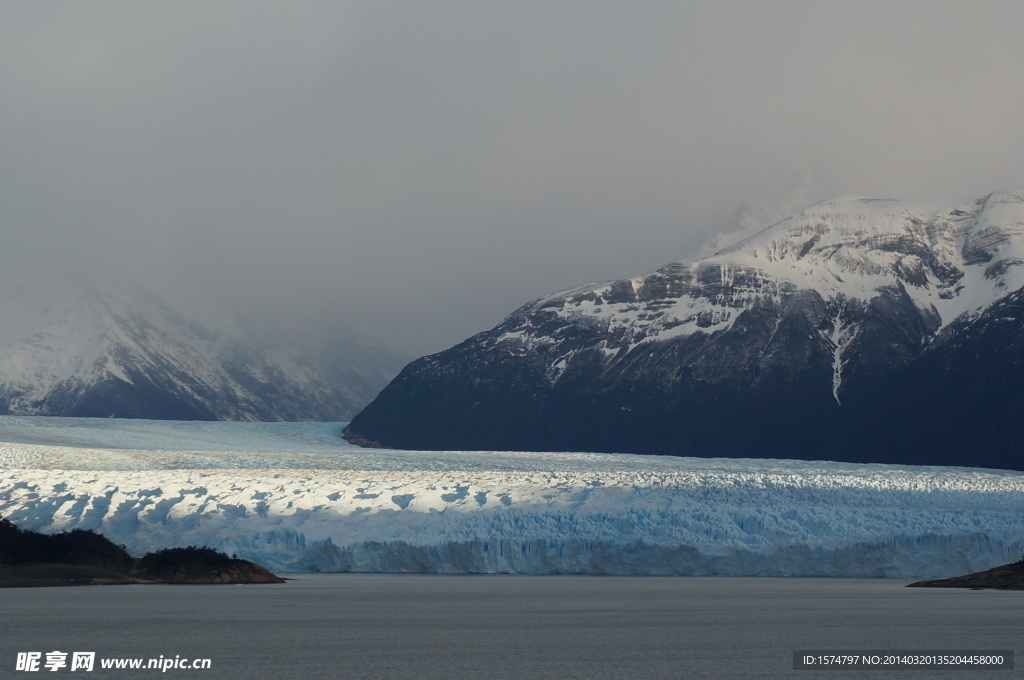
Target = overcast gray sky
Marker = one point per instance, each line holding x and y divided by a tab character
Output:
424	167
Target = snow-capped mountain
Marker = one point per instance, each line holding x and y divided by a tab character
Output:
77	348
859	329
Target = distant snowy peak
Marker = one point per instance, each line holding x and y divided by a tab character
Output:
78	348
68	333
949	260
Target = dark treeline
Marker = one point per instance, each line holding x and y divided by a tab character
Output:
80	547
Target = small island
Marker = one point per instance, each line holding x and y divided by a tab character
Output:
80	557
1005	577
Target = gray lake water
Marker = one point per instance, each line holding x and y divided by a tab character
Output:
355	626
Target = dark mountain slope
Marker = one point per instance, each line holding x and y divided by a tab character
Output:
859	330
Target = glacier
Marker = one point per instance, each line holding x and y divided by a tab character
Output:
295	497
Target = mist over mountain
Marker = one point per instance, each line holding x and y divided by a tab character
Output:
859	329
426	168
76	347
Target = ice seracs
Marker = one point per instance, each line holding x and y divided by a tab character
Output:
308	502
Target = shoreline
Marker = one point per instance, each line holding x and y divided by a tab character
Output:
58	575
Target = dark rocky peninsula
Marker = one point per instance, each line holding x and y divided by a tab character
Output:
1005	577
82	557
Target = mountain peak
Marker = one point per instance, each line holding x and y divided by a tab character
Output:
800	329
951	259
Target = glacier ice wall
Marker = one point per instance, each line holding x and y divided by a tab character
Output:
634	515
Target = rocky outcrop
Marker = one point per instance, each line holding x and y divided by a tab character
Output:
198	565
1005	577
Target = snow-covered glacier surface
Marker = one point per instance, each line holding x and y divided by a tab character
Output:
295	497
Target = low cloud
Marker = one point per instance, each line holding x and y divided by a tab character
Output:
421	169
